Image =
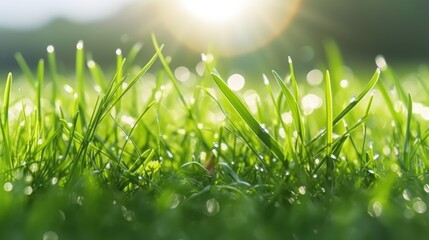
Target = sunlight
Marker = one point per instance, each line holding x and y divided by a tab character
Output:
227	27
215	10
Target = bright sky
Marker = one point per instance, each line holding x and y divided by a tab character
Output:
33	13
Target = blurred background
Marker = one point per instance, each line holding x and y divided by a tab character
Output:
251	35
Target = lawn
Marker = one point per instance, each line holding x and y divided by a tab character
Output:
184	154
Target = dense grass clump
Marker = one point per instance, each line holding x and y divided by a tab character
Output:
141	155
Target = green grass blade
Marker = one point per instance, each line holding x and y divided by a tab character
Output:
248	118
293	79
408	133
293	104
359	97
25	69
40	80
335	60
80	72
52	61
98	75
329	126
132	55
5	121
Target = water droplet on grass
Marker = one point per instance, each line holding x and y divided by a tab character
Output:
381	63
212	206
419	206
8	186
50	49
79	45
50	235
28	190
302	190
406	195
426	188
376	209
175	201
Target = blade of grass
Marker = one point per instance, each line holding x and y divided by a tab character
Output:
329	128
40	80
248	118
293	104
25	69
353	103
406	156
5	121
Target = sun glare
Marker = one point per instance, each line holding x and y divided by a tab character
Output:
227	27
215	10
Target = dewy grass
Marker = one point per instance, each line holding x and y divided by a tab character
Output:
129	155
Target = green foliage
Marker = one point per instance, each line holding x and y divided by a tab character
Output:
150	155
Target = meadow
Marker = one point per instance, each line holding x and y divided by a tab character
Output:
180	153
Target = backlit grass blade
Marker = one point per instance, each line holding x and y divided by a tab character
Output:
292	78
80	72
359	97
329	126
248	118
25	69
335	60
52	61
40	80
5	121
408	133
132	55
293	104
98	75
120	61
353	103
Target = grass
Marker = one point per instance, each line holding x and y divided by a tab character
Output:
145	155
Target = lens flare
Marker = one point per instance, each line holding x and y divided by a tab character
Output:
214	10
228	27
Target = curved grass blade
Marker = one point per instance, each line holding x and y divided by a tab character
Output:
248	118
353	103
357	99
296	114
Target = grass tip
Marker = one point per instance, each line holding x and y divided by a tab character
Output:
118	52
90	63
289	59
266	81
79	45
381	63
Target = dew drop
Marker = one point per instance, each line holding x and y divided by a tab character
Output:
8	186
79	45
50	49
175	201
419	206
406	195
426	188
212	206
28	190
50	235
302	190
